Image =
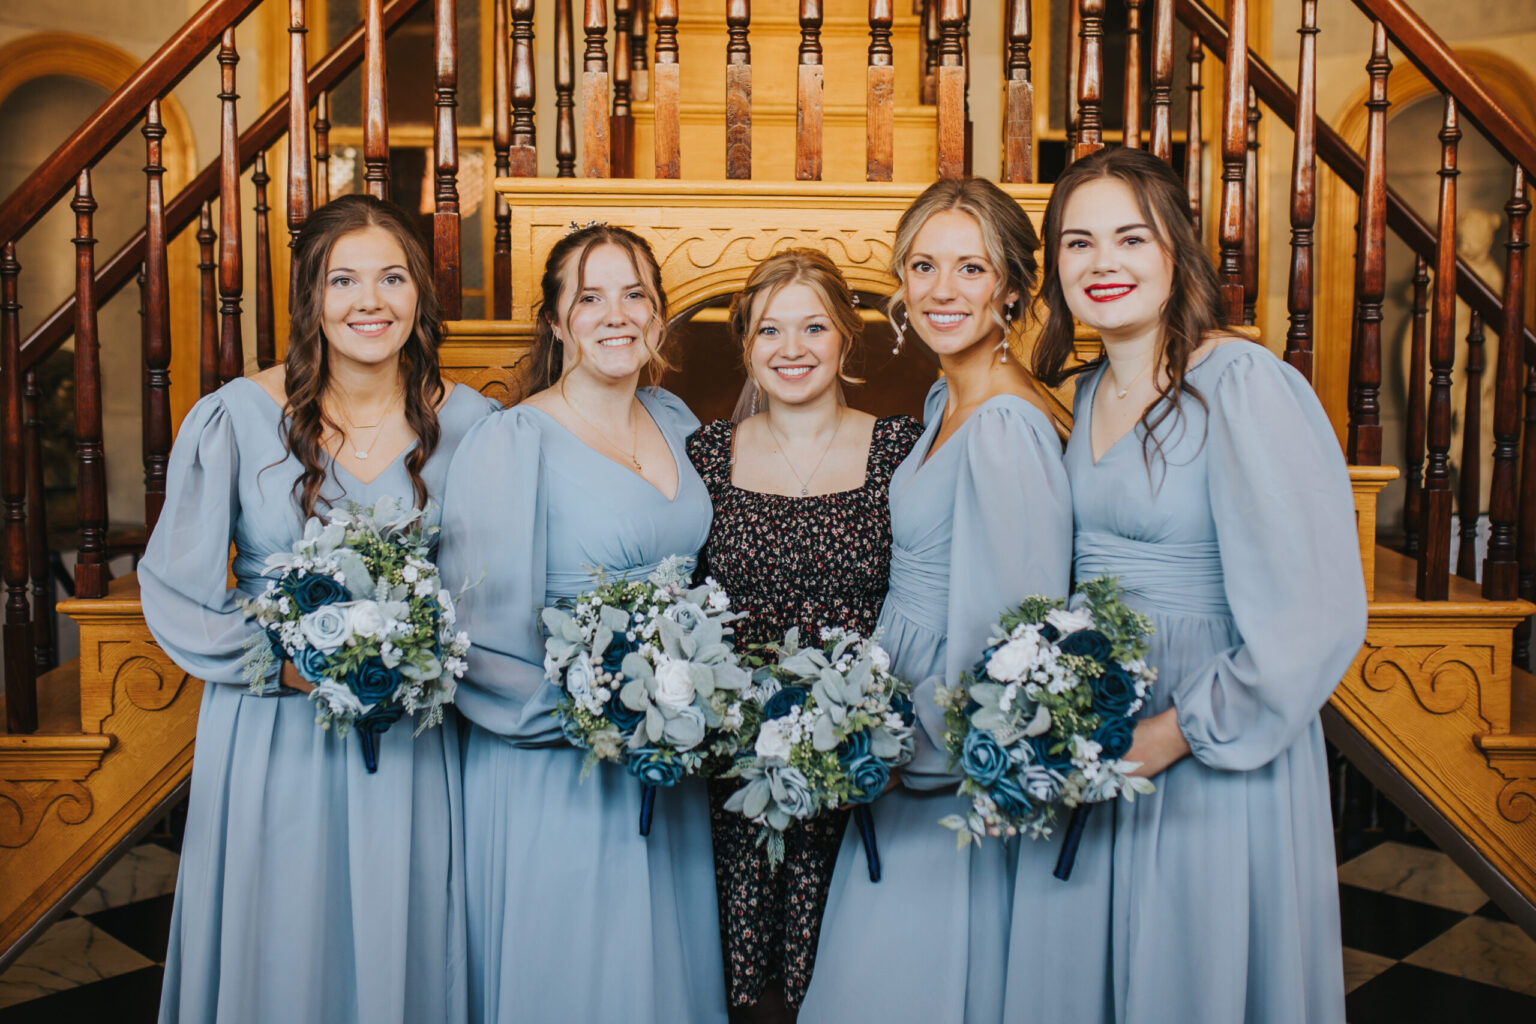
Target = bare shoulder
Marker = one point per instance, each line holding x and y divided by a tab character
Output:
272	381
544	400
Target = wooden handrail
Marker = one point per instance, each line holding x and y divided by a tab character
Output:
1347	164
181	211
117	116
1435	58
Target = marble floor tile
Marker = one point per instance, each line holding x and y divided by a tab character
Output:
1488	951
73	952
1360	967
132	998
1390	926
144	926
146	871
1405	994
1411	872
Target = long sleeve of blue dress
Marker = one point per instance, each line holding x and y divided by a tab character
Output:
184	575
1284	515
494	539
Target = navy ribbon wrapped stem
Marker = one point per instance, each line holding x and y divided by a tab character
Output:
647	801
866	822
1068	855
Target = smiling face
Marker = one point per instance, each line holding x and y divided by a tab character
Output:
370	299
951	285
796	348
1115	275
610	327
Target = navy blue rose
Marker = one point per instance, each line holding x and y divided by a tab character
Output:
902	705
982	758
1009	796
312	590
311	664
869	776
853	748
372	682
613	657
1115	735
623	717
1088	643
1049	633
1114	692
781	703
653	768
380	717
1061	760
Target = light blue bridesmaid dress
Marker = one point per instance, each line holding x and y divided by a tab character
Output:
573	915
309	889
982	524
1240	544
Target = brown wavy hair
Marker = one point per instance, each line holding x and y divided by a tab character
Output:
814	269
569	255
306	367
1194	310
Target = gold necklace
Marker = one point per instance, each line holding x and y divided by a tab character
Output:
1121	392
349	434
633	455
805	484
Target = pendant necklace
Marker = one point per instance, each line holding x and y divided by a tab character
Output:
350	434
805	482
633	455
1121	392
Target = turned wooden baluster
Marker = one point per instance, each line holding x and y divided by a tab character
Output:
965	62
1470	483
1132	133
738	90
1162	80
1234	157
91	573
1501	568
1251	211
231	266
322	148
808	94
446	247
523	158
596	156
300	194
951	94
621	126
1370	274
1090	81
266	339
1418	341
375	104
665	85
639	62
43	651
207	304
1072	67
565	92
929	41
1526	539
501	147
880	95
157	324
20	683
1298	337
1435	525
1194	146
1019	100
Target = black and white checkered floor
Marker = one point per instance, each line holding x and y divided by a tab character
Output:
1423	944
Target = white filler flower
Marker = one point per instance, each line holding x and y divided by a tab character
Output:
674	686
773	740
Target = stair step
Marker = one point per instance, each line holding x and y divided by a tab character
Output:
1396	591
58	750
58	701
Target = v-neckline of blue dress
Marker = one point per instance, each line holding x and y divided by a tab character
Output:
677	463
1093	394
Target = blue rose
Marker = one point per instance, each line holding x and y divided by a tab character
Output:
1087	643
653	768
1049	633
381	716
853	748
312	665
1115	735
902	705
869	776
982	758
623	717
1061	761
372	682
314	589
1114	692
782	702
1009	796
613	657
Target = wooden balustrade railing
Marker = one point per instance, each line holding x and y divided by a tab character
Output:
1418	371
738	90
809	86
1298	337
1019	102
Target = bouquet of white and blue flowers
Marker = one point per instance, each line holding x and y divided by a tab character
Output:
648	676
358	607
834	722
1046	717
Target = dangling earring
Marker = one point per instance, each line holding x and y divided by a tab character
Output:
1002	346
757	393
901	333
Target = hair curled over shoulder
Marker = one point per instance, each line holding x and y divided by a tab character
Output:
1193	311
1006	233
306	367
569	257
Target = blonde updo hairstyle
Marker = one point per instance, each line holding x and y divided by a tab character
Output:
816	271
1006	233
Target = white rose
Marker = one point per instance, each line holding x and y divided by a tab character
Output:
674	686
881	659
1069	622
579	678
409	573
327	627
773	741
1014	659
366	618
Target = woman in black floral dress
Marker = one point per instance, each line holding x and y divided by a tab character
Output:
801	538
